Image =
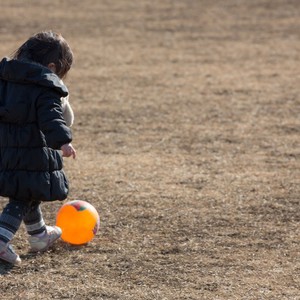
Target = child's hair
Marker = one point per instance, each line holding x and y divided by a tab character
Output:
47	47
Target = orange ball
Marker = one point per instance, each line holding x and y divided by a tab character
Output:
79	222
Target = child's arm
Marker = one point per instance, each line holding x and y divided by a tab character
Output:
51	122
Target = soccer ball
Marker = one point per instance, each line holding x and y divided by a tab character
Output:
79	222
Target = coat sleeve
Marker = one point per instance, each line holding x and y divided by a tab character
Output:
51	122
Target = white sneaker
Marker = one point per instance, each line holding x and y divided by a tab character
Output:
8	254
42	243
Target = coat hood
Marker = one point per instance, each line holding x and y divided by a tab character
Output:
29	72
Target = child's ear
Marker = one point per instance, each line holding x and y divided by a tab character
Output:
52	67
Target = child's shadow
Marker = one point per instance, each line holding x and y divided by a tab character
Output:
5	268
60	247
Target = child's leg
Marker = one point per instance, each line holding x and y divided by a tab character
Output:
10	219
41	236
13	214
33	219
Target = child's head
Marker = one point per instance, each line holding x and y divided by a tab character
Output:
47	48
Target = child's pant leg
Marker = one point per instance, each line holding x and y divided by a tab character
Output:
17	211
33	219
11	218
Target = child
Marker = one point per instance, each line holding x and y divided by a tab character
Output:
32	131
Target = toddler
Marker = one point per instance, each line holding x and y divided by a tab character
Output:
34	136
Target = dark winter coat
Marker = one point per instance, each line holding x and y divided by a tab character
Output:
32	129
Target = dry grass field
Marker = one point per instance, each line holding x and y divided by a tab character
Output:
188	137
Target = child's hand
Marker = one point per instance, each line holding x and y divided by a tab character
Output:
68	150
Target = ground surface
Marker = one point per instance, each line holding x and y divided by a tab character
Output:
187	131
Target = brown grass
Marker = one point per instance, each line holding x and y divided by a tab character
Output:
187	131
